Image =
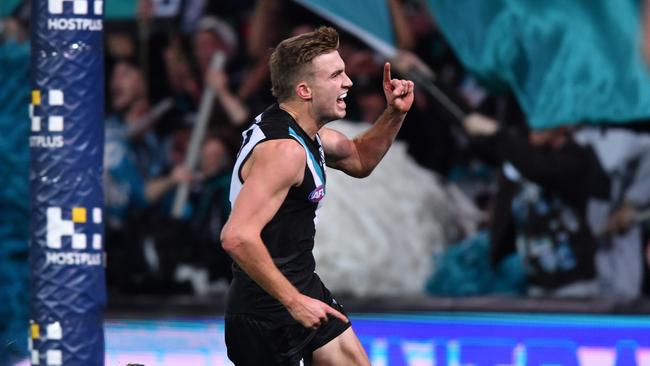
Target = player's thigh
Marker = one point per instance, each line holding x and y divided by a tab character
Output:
342	350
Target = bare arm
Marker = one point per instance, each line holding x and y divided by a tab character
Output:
271	171
645	8
358	157
265	22
157	187
235	108
255	78
404	35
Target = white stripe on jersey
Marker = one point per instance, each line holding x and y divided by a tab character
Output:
322	157
256	136
313	169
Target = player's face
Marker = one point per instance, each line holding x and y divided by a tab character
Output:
329	86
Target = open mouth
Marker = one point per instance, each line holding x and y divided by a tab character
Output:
340	100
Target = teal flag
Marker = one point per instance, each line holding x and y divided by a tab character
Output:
14	200
113	9
8	6
119	9
567	61
368	20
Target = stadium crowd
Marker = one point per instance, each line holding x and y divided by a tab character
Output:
564	210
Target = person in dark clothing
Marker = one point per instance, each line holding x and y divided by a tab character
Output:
211	206
278	310
540	210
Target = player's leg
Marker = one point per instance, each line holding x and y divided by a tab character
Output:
342	350
246	342
260	342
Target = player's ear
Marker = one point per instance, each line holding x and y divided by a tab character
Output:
303	91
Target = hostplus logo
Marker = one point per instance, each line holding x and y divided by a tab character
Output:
38	337
73	229
46	131
80	10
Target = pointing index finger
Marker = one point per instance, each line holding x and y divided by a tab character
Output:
387	74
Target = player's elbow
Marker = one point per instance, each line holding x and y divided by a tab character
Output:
360	172
231	240
364	167
364	173
357	170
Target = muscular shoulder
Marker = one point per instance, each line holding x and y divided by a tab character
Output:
285	149
284	158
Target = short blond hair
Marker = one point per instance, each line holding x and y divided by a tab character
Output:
290	58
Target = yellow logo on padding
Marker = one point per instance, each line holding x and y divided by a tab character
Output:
36	331
36	97
79	215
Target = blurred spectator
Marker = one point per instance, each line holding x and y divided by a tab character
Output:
190	257
135	178
182	85
541	205
140	156
130	104
215	36
617	221
212	206
465	270
233	106
120	45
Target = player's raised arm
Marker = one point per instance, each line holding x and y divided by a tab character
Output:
359	156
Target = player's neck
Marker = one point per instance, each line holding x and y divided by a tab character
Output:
303	118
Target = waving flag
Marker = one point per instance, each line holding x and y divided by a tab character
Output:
566	61
8	6
369	20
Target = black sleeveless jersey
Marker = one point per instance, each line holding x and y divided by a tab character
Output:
289	236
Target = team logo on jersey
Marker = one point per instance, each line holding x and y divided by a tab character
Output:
317	194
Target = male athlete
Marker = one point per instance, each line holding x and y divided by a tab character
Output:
278	311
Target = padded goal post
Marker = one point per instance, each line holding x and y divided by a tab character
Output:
66	141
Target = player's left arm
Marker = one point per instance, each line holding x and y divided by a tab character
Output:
359	156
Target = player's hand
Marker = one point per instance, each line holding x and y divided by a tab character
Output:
399	93
312	313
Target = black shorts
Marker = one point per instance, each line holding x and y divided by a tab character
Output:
255	341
